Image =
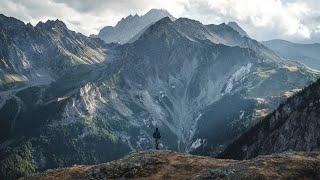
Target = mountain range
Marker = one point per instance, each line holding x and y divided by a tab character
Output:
128	28
69	99
40	54
307	54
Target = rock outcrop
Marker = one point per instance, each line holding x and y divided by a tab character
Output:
173	165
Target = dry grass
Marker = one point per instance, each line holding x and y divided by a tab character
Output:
174	165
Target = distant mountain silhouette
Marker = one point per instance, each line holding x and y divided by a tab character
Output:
308	54
129	27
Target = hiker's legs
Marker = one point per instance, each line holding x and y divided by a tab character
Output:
157	143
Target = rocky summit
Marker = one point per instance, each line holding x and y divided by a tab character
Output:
127	29
174	165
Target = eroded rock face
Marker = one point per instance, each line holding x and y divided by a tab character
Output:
173	165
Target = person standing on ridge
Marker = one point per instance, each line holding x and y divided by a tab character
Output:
157	136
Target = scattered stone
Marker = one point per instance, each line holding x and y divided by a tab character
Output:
174	165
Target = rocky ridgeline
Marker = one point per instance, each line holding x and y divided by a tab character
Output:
127	28
37	55
173	165
308	54
294	126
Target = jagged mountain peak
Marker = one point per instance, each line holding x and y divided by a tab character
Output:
154	10
193	30
165	20
164	24
159	12
5	18
162	32
184	20
185	27
237	28
40	54
10	22
150	13
223	27
49	24
196	31
126	20
129	27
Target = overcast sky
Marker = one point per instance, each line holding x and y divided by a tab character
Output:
296	20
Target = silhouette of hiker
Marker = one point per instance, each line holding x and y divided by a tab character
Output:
156	135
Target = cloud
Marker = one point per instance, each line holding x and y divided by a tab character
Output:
34	11
99	7
263	20
85	16
296	20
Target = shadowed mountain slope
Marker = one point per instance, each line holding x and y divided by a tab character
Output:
295	125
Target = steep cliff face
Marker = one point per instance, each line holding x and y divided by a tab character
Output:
293	126
178	75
